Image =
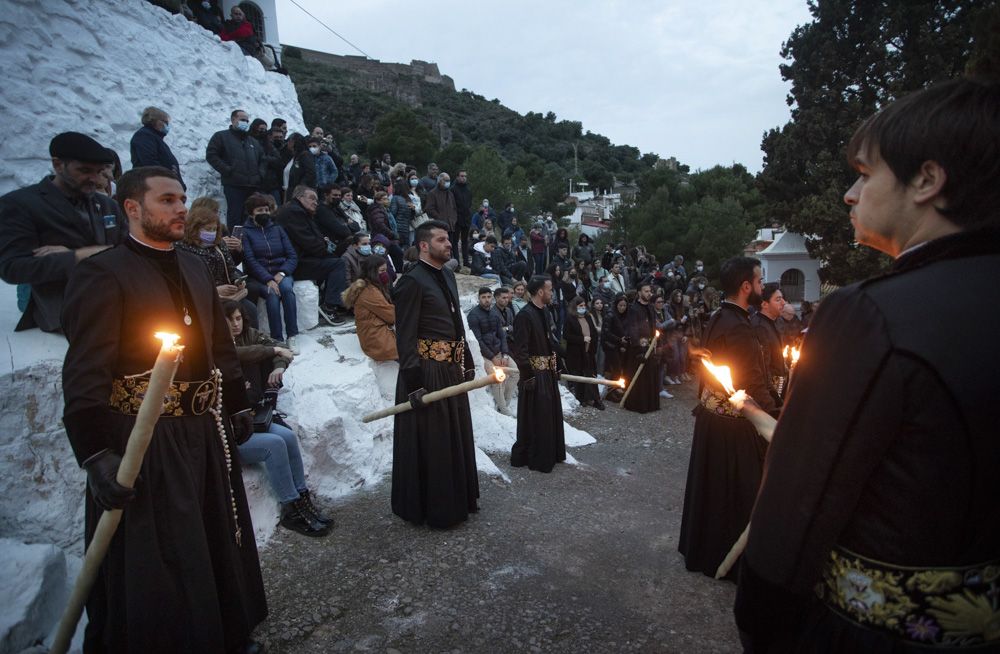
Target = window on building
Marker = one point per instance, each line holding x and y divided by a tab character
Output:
793	285
256	18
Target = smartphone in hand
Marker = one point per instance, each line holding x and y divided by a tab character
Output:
237	232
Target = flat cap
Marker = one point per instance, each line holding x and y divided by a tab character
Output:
74	146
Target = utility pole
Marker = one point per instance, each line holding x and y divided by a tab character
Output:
576	168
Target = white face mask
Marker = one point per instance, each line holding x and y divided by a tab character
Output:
314	150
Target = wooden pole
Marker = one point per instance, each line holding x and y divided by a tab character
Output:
434	396
638	371
160	379
617	383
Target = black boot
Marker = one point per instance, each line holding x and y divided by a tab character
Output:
306	497
598	404
295	515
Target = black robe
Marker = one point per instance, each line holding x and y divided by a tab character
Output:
770	342
581	357
434	478
174	579
540	440
640	323
727	453
887	446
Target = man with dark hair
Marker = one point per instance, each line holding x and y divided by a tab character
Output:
765	327
875	529
428	182
486	325
50	227
182	572
509	259
541	442
440	205
316	259
241	162
486	265
332	221
434	478
463	207
640	329
727	453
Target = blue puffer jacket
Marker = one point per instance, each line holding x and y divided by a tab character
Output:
267	251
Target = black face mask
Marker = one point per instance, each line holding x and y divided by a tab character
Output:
261	218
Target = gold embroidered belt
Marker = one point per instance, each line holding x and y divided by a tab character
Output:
778	384
544	363
183	398
447	351
940	607
718	403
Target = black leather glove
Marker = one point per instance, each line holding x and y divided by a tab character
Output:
470	374
242	423
417	398
528	384
102	470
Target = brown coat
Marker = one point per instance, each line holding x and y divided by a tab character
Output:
374	315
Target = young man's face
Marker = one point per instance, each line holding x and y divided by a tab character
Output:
162	213
878	202
772	308
502	299
646	293
486	300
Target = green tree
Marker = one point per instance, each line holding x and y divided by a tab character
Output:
850	60
487	177
402	134
451	157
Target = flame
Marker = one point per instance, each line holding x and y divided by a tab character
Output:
621	382
784	352
499	374
795	355
722	374
169	340
657	333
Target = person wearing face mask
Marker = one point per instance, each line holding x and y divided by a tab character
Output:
581	351
383	247
727	453
605	293
240	159
148	147
360	248
351	210
374	313
440	205
483	214
207	14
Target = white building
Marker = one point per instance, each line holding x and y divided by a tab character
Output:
786	260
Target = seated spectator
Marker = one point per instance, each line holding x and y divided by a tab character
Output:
239	29
374	314
270	260
207	14
581	337
148	147
583	251
333	222
351	208
203	237
521	298
489	229
561	257
51	226
360	248
380	223
316	260
483	214
487	326
483	263
513	230
264	362
381	246
508	258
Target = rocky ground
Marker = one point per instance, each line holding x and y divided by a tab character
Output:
580	560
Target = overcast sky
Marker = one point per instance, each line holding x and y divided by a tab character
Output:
694	79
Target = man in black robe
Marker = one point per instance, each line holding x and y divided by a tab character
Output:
640	329
540	440
727	454
182	573
877	526
434	477
766	329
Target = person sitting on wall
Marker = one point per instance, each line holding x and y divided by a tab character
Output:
239	30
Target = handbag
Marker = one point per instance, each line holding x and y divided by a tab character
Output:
419	220
263	416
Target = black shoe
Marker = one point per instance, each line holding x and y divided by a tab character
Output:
296	516
307	499
599	405
330	316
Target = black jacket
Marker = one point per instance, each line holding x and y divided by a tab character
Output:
497	266
275	161
463	203
302	230
336	226
238	157
40	215
488	329
149	149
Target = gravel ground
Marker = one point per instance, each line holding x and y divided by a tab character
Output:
580	560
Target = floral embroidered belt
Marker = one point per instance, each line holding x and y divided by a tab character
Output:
778	384
183	398
941	607
718	404
447	351
543	363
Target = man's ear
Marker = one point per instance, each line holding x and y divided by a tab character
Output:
131	208
928	183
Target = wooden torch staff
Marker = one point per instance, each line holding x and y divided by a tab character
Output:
160	379
638	371
617	383
449	391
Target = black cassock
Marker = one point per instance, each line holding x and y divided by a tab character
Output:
434	478
640	323
727	453
581	357
540	440
887	447
175	579
770	343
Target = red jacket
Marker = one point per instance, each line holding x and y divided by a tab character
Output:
242	31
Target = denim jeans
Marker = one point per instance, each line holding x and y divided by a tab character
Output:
275	305
278	448
235	197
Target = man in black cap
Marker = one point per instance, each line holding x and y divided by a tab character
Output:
51	226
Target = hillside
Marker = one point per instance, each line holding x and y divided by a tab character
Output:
342	101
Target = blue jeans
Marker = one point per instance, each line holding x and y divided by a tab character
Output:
235	197
275	305
495	277
278	448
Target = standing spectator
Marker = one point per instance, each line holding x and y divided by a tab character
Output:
765	327
270	260
240	160
559	240
615	340
278	157
354	170
327	172
538	241
316	260
381	223
513	230
303	171
560	256
431	181
604	293
354	256
583	251
148	147
440	205
790	326
486	325
484	213
617	279
597	309
207	14
50	227
506	217
403	207
581	351
374	314
240	30
463	207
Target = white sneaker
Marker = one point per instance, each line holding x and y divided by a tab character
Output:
665	395
292	343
